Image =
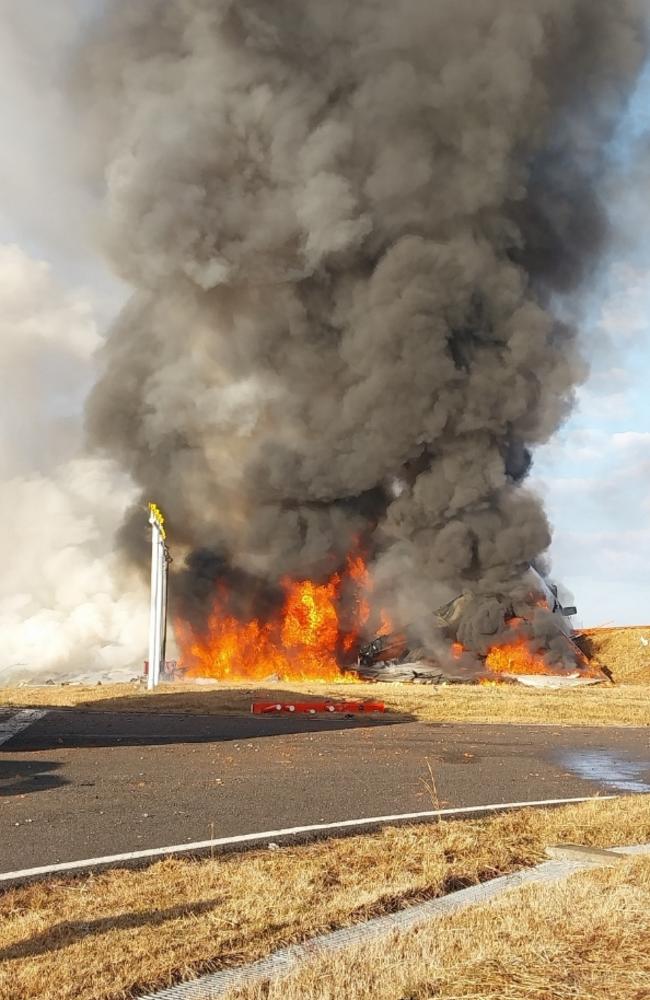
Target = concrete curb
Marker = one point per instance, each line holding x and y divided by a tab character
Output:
281	962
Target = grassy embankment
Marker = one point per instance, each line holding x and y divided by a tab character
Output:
606	705
585	939
115	934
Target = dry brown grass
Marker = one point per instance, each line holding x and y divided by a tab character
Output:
110	935
606	705
626	651
583	939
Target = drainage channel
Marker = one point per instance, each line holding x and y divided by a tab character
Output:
217	984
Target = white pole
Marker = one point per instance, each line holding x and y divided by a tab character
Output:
159	605
157	616
153	611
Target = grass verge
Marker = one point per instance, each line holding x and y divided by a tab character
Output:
583	938
115	934
625	650
607	705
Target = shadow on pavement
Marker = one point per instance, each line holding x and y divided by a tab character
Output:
69	931
221	700
20	777
193	717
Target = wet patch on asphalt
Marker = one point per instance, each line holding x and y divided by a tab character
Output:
608	768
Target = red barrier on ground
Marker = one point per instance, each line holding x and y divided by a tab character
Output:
314	707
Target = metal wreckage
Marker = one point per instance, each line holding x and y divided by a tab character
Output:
528	643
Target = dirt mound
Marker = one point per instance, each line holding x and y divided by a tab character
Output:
624	650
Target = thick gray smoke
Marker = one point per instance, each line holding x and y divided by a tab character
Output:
349	226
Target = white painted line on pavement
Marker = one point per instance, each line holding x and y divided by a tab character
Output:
272	835
17	723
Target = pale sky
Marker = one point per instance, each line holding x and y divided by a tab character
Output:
595	475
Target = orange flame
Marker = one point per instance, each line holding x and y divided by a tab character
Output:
306	641
516	655
516	658
310	638
385	623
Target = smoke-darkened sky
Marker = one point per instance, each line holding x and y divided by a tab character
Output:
358	241
595	475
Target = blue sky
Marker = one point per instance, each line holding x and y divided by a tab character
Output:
595	475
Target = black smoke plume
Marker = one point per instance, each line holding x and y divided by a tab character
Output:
348	228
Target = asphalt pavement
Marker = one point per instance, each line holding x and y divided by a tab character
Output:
77	784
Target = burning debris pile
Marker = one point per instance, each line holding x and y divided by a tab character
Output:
349	229
316	634
531	643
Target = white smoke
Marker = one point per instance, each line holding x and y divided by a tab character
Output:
67	608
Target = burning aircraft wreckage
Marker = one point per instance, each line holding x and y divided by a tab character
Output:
355	234
528	640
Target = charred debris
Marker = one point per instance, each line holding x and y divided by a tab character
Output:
531	642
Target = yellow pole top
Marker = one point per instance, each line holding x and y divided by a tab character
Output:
155	514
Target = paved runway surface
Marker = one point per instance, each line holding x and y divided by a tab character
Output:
76	784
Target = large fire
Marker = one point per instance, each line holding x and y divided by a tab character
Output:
515	655
309	639
516	658
318	629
